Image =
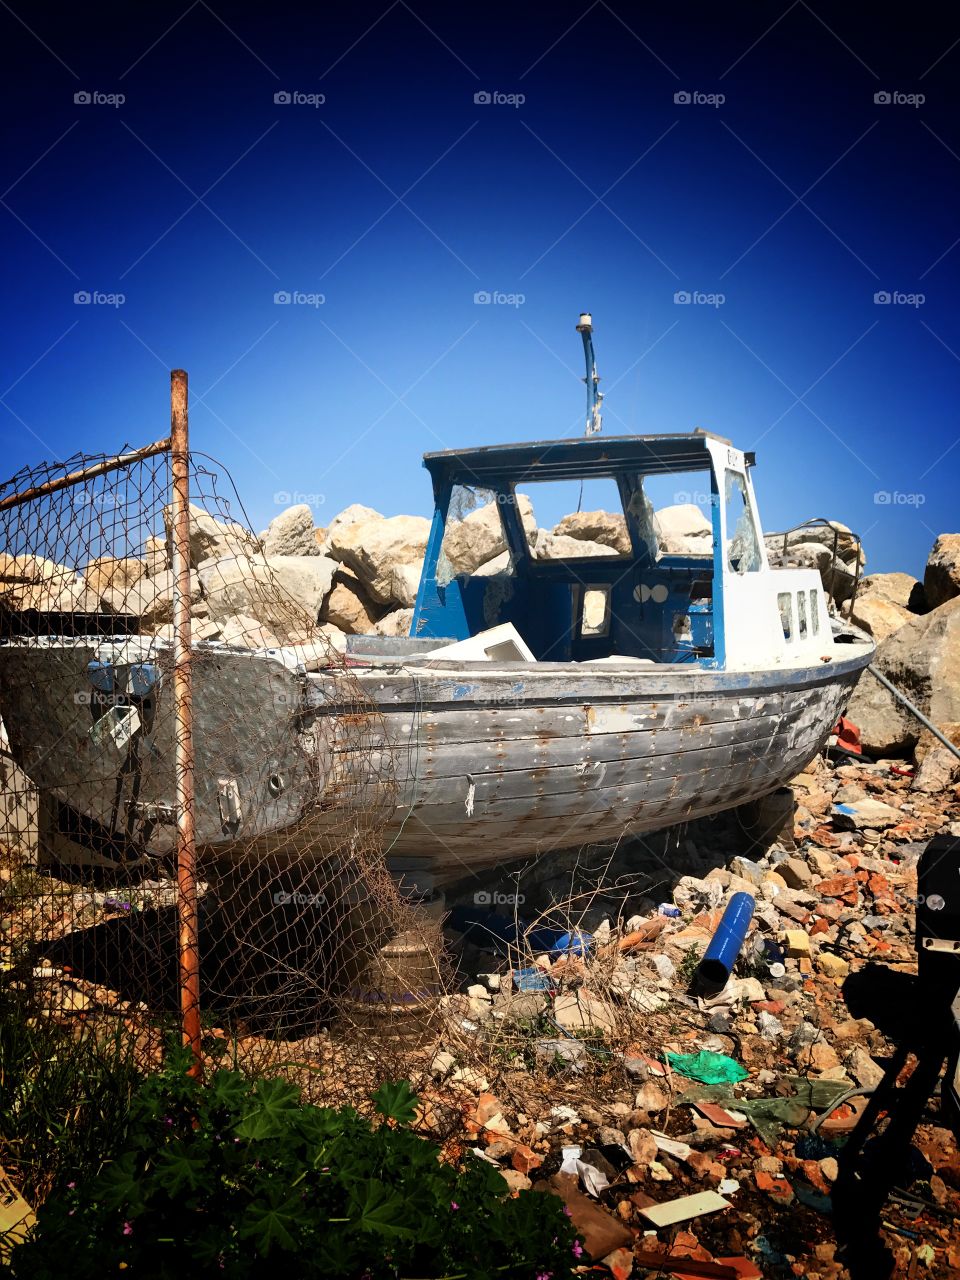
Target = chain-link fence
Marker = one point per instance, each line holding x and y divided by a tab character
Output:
194	784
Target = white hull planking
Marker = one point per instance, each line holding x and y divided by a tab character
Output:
497	765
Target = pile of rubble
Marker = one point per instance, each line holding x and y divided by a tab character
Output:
684	1127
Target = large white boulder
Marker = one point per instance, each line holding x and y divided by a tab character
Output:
683	530
607	527
879	617
941	579
348	607
557	546
922	659
248	633
305	580
106	573
211	539
479	537
149	599
799	555
283	593
883	603
898	588
396	623
356	513
291	533
156	555
375	549
830	534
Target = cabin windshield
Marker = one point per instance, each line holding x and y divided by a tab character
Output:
589	563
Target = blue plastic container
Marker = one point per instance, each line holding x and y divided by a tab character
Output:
721	955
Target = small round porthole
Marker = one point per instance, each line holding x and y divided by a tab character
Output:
275	784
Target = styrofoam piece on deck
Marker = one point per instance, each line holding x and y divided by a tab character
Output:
497	644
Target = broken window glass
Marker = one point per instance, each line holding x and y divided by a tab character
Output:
743	544
473	538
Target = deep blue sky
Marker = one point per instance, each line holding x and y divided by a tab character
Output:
399	198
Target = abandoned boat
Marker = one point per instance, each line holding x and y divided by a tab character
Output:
558	693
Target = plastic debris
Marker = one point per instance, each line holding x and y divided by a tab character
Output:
532	979
710	1068
684	1208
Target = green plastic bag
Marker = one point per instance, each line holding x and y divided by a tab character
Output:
710	1068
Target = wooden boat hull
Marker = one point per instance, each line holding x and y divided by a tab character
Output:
492	767
468	765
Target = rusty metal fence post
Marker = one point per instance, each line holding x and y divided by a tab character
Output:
187	912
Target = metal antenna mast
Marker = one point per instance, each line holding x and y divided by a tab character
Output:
594	394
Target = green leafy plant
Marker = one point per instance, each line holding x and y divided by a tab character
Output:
239	1178
687	968
64	1096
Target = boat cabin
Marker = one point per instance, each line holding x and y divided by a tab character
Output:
637	590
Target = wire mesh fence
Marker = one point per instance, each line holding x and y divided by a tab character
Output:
195	786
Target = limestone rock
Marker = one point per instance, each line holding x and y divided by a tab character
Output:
247	633
578	1011
27	569
107	573
396	623
374	549
155	555
354	514
32	582
846	543
305	580
898	588
879	617
938	771
941	578
334	637
478	537
499	564
683	530
606	527
864	1070
247	586
922	659
555	546
804	555
149	599
210	539
291	533
405	583
349	607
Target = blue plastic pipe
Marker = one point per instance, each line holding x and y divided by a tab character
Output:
721	955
